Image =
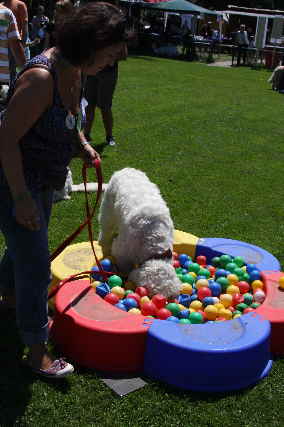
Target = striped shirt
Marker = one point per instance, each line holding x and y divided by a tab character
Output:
8	30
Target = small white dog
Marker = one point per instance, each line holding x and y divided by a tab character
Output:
136	228
276	78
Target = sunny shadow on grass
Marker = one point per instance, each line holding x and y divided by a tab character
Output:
212	139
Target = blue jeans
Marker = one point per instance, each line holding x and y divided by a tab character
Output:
25	266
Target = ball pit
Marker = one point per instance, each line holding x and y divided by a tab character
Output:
88	329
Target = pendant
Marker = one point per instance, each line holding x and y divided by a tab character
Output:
70	121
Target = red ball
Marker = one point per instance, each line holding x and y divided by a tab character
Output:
203	315
176	263
204	292
111	298
141	291
243	286
201	260
236	299
232	309
134	296
175	255
248	310
148	309
212	270
159	300
163	314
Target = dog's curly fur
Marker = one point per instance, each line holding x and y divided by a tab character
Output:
135	228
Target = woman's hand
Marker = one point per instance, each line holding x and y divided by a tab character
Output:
26	212
89	154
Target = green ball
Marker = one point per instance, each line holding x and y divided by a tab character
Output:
239	272
180	276
114	280
255	304
225	259
224	282
185	321
194	267
246	277
237	312
231	266
215	261
128	292
204	272
195	317
239	261
241	307
179	270
173	308
187	278
248	298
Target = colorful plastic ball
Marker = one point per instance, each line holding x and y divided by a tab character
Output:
111	298
216	300
186	289
215	288
204	292
232	289
133	295
128	292
121	306
181	307
225	259
257	284
184	271
231	266
212	270
239	272
220	273
187	278
183	258
204	272
201	260
148	308
201	283
163	314
226	300
95	284
250	267
208	301
248	310
130	303
224	282
134	311
236	316
259	296
140	290
159	300
173	308
281	282
244	287
187	264
144	299
241	307
239	261
193	297
119	291
173	319
215	261
194	267
254	275
219	306
237	299
176	263
237	312
106	264
195	318
211	312
184	299
255	305
114	280
248	298
227	314
102	289
96	273
183	314
233	279
196	305
184	321
246	277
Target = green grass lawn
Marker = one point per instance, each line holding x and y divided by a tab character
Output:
212	139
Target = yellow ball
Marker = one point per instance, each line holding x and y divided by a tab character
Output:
281	282
219	306
244	268
191	310
211	312
134	311
95	284
181	307
196	305
233	289
233	279
227	314
119	291
201	282
144	299
193	274
186	288
226	300
257	284
236	316
130	285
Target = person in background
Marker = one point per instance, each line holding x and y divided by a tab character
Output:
63	8
242	42
9	41
34	156
99	93
38	25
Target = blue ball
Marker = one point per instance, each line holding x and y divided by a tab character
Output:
200	277
215	288
184	299
184	271
187	264
208	301
251	267
173	319
183	258
254	275
121	306
193	297
103	289
220	273
106	264
95	273
183	314
130	303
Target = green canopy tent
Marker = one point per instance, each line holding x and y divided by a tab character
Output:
179	6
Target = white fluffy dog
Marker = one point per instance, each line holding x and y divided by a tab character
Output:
136	228
276	78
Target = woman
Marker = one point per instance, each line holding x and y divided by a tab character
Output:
63	8
36	146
